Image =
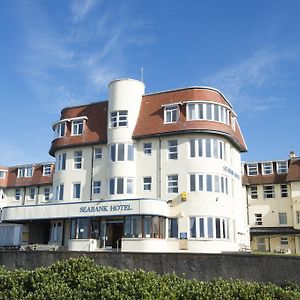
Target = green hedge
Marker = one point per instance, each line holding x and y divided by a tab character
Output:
82	279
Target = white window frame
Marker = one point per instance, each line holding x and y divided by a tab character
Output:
253	189
258	219
252	167
3	174
47	170
32	193
61	161
214	183
147	148
284	240
171	114
96	187
78	160
172	183
128	152
59	130
77	127
284	190
269	191
282	218
25	171
76	190
172	149
59	192
282	167
47	193
98	153
147	183
118	118
17	194
267	168
127	184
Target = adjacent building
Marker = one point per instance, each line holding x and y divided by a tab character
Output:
272	190
139	172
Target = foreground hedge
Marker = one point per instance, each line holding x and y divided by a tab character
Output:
82	279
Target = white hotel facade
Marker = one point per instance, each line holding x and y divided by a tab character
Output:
140	172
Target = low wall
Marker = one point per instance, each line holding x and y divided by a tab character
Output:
261	268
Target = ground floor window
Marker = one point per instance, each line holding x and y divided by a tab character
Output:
173	228
56	231
206	227
80	228
261	244
145	227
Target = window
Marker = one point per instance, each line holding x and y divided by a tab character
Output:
261	245
97	187
122	152
267	168
59	192
59	130
76	190
61	161
77	127
25	172
253	192
147	183
207	111
77	159
120	186
47	194
206	227
56	231
97	153
172	183
284	241
282	167
118	118
2	174
208	183
47	170
269	191
148	148
32	193
173	228
282	218
145	227
284	190
171	114
298	216
172	147
252	169
18	194
258	219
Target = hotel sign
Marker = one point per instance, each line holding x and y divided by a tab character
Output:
231	172
105	208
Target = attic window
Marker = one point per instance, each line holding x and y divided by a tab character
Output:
25	172
171	114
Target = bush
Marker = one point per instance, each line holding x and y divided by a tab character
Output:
82	279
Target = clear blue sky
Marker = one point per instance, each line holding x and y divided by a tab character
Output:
57	53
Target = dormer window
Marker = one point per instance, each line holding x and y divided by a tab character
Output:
267	168
252	169
25	172
47	170
77	127
118	118
171	114
2	174
59	130
282	167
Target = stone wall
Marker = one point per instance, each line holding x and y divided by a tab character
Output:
261	268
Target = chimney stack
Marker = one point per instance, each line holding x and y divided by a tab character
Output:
292	154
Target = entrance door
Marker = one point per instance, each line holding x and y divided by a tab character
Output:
114	232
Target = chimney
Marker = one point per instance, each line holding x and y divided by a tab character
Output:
292	154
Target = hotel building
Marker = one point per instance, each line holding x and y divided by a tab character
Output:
142	172
272	190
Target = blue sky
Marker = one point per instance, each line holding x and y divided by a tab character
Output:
57	53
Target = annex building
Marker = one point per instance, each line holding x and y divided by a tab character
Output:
156	172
